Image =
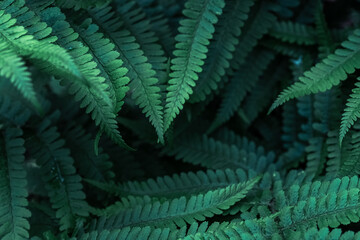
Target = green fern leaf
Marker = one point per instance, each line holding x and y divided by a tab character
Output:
180	211
324	38
316	155
327	73
293	32
53	56
351	112
350	163
142	76
108	61
96	167
144	233
177	185
61	180
324	233
77	4
322	204
258	24
12	67
193	40
13	113
13	187
140	27
214	154
221	48
92	93
241	83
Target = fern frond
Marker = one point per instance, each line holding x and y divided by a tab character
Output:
13	112
242	82
179	211
92	93
177	185
13	187
324	233
283	48
242	230
350	164
143	233
231	138
13	68
256	26
143	81
324	38
351	112
327	111
262	94
108	61
316	155
61	180
322	204
214	154
327	73
42	52
78	4
293	32
221	48
336	153
96	167
193	39
135	21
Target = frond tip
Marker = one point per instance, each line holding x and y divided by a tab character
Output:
193	39
351	113
327	73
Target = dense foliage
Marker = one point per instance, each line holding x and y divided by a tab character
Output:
164	119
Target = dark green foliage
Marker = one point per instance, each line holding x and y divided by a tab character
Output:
188	84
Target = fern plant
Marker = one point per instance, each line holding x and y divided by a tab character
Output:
147	119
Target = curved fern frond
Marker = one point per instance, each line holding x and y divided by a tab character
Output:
13	187
193	39
12	67
327	73
142	76
61	180
53	56
293	32
108	61
221	48
177	185
180	211
92	93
